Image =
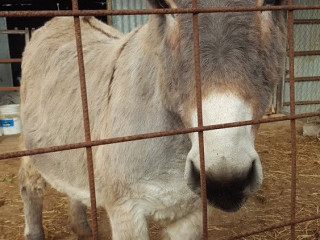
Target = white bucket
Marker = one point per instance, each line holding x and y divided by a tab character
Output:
10	119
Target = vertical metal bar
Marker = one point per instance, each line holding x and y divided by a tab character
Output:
293	122
109	17
26	35
279	97
86	121
197	71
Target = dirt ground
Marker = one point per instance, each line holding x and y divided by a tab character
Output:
271	205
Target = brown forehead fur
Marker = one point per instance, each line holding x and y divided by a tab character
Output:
242	53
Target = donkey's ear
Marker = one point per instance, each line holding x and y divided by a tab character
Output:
162	3
167	24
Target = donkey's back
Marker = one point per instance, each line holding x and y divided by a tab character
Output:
50	69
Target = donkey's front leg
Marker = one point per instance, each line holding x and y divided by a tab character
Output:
78	218
186	228
128	222
32	188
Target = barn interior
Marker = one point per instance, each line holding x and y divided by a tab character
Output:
16	42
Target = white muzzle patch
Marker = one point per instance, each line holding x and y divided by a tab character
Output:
230	155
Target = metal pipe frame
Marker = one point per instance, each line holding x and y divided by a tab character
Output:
89	143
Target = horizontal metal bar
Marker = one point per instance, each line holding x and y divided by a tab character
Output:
301	53
273	227
304	79
22	32
52	13
306	21
306	53
20	1
9	88
10	60
302	103
149	135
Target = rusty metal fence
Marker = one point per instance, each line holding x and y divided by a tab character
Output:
195	11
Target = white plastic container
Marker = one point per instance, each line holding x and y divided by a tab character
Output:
10	119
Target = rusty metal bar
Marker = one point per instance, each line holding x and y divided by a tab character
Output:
10	60
88	144
278	97
302	79
292	123
306	21
78	13
272	227
306	53
86	122
149	135
197	74
302	103
9	88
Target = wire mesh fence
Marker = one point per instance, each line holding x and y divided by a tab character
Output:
293	73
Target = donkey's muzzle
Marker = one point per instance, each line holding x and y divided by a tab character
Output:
226	195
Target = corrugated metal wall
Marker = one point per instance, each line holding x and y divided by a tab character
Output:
5	68
306	39
126	23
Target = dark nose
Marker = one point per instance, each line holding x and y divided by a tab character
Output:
228	195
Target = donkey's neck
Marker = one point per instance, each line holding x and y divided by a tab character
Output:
136	96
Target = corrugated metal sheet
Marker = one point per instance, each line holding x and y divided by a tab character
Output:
126	23
5	68
306	38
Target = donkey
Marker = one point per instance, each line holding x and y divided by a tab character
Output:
144	82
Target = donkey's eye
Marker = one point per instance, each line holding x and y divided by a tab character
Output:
159	4
271	2
164	4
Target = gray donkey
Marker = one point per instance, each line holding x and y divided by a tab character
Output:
143	82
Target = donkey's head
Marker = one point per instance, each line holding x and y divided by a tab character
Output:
241	59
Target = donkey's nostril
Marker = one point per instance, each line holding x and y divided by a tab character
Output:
194	179
251	173
228	194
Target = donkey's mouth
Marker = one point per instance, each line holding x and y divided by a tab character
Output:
228	196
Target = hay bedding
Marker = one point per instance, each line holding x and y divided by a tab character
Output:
270	206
